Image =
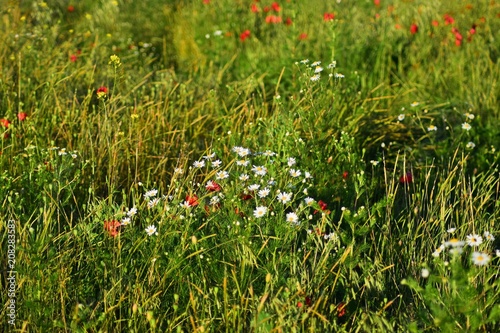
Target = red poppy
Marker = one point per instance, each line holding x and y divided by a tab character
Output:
112	227
345	174
303	36
246	197
206	2
299	304
406	178
376	2
273	19
254	8
102	89
212	186
22	116
322	205
288	21
435	23
73	58
266	9
5	123
192	200
71	8
341	309
328	16
244	35
448	19
413	29
276	7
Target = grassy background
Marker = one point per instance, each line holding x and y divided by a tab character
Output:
188	86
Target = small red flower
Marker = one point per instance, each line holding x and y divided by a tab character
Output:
345	174
5	123
273	19
276	7
406	178
192	200
303	36
206	2
299	304
448	19
288	21
397	26
328	16
267	9
413	29
73	58
322	205
254	8
112	227
71	8
244	35
102	89
246	197
22	116
376	2
341	309
435	23
212	186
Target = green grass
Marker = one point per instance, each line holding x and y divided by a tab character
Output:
102	102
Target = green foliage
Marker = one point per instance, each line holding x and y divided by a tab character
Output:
165	170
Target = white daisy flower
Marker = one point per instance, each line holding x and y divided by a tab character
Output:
259	170
480	258
253	187
488	236
292	218
260	211
150	193
126	221
269	153
470	145
284	197
401	117
333	64
466	126
242	163
264	192
291	161
153	202
295	173
151	230
315	78
209	156
244	177
214	200
216	163
198	164
131	212
222	175
309	201
316	63
474	240
432	128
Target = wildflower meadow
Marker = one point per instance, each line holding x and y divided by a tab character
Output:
250	166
